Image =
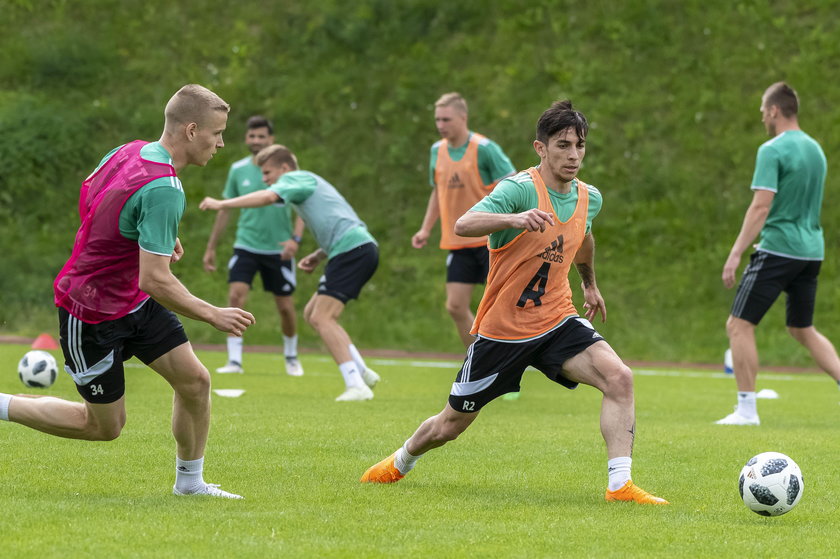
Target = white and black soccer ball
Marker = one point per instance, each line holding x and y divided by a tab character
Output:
37	369
771	484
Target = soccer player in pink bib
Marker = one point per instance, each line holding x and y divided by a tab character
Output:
116	295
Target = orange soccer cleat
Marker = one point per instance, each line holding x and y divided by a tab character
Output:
632	492
383	472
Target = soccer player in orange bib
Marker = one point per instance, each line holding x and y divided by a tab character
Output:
464	167
539	222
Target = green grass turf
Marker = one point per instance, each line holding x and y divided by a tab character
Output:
526	480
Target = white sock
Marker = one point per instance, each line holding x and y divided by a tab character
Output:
189	474
619	469
350	372
404	461
290	346
357	358
5	399
234	345
746	404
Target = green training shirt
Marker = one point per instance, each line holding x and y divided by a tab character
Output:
259	230
326	213
517	194
793	166
151	215
493	164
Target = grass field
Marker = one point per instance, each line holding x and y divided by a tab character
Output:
527	480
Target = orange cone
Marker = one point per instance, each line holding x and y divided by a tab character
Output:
44	341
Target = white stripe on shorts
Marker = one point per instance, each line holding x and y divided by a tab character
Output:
474	387
465	374
74	342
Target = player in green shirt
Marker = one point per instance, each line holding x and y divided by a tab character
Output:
265	243
518	192
350	251
788	190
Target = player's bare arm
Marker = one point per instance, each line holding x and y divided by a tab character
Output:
585	264
157	280
753	222
478	224
420	238
209	259
253	200
309	262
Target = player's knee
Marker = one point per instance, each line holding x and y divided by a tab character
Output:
287	313
619	382
456	308
729	326
318	321
736	327
444	434
446	431
801	335
109	432
105	431
195	386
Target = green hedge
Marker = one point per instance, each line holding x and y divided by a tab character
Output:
672	91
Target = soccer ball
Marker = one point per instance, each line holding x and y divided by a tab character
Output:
770	484
37	369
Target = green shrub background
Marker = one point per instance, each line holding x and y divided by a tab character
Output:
672	90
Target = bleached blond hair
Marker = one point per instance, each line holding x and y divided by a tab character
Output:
192	103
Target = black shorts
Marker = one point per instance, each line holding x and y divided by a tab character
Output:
278	276
468	265
94	353
766	276
493	368
348	272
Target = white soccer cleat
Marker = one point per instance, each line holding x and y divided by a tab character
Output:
231	367
210	490
293	367
356	394
370	377
735	418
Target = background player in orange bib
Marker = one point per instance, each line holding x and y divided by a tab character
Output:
464	166
539	222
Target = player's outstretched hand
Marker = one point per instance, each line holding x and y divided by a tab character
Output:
290	249
419	239
532	220
210	204
233	320
209	260
729	269
309	262
593	303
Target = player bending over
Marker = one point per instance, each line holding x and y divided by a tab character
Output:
349	249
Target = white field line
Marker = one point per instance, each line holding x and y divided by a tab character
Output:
455	365
705	374
641	372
